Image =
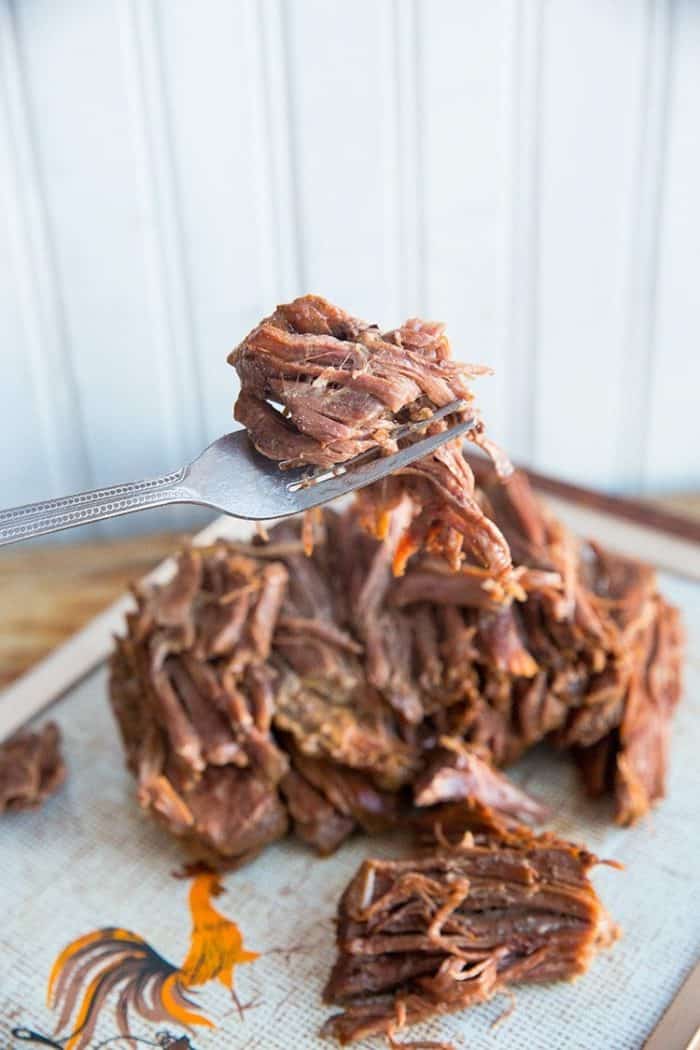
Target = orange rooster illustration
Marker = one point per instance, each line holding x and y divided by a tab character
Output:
114	959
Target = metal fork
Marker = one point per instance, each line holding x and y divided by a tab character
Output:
232	477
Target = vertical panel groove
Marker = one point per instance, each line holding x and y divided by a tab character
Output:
673	449
524	194
260	154
302	267
61	424
464	133
284	196
164	240
421	239
409	174
632	438
395	190
344	150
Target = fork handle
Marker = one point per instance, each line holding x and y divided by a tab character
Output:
38	519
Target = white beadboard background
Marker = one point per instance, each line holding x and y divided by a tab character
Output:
527	170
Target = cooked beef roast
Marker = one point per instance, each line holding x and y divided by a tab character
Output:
359	667
262	684
376	667
31	768
429	936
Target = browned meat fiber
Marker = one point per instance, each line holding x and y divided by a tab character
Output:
31	768
194	695
320	387
430	936
263	687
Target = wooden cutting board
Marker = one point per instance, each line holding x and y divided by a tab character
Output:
48	593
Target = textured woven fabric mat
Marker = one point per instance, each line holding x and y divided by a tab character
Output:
88	859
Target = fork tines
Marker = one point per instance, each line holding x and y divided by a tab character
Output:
403	430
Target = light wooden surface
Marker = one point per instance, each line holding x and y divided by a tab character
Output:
48	593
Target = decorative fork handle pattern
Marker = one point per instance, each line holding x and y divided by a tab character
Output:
36	519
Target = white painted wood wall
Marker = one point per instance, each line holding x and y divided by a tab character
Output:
527	170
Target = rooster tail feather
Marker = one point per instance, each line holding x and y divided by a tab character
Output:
84	963
93	1000
93	966
146	996
80	947
177	1003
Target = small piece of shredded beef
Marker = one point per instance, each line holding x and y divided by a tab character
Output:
439	933
31	768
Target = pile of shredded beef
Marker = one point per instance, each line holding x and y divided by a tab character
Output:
262	686
429	936
379	666
388	659
31	768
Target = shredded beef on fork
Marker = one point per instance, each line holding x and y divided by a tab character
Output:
344	388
